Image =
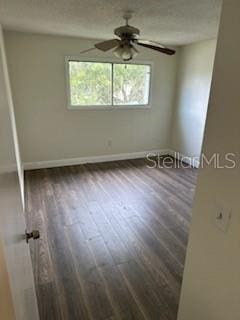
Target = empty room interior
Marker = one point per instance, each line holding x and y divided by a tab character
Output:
119	173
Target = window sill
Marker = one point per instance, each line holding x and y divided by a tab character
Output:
99	108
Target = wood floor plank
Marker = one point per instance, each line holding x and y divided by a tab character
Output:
148	300
39	249
67	282
123	304
165	237
127	211
148	238
149	262
49	307
125	307
119	251
153	198
91	282
113	239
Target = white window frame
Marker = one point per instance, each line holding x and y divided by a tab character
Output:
106	107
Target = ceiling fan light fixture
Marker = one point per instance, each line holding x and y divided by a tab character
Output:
118	52
125	52
124	45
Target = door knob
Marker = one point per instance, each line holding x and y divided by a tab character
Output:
35	234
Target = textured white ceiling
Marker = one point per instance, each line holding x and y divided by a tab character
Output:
173	22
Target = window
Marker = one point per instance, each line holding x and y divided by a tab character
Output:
131	84
90	83
104	84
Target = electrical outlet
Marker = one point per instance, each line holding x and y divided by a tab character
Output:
223	217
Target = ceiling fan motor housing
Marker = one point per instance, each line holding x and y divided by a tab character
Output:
127	32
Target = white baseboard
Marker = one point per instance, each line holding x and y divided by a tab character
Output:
93	159
193	161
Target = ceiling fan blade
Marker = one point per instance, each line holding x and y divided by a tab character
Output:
107	45
155	46
87	50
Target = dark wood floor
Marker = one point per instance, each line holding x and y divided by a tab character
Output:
113	239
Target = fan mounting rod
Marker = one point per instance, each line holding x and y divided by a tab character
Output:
127	16
127	32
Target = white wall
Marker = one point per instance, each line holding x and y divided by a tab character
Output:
195	67
49	131
7	157
211	284
10	161
6	304
7	163
10	157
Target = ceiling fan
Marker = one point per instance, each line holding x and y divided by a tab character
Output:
128	37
